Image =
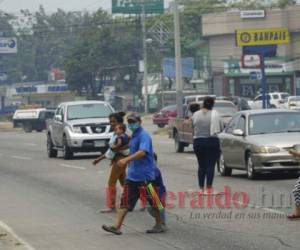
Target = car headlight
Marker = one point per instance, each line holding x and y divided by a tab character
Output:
77	130
266	150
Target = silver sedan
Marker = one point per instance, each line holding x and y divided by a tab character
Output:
259	141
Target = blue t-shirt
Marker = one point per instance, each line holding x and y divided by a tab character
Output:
143	169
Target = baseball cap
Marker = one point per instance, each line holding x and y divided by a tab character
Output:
134	118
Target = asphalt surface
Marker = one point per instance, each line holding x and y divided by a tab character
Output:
53	204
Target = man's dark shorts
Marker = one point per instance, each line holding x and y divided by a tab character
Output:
133	191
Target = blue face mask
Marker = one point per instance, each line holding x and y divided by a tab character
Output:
133	126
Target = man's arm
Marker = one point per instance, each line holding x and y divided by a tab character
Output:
137	156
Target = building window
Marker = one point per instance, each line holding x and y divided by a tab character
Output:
231	87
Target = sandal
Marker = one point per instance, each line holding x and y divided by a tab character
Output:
293	217
111	229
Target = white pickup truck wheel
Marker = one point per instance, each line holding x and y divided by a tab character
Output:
52	153
67	152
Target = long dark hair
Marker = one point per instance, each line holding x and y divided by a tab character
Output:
209	103
119	116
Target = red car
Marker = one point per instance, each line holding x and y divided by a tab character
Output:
161	119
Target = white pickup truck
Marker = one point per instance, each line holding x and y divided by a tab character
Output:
275	100
81	126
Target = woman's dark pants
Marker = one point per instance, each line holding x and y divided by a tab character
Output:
207	150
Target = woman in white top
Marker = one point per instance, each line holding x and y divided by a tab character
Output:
207	124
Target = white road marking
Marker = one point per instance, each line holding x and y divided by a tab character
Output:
275	211
11	231
30	144
21	157
72	166
190	158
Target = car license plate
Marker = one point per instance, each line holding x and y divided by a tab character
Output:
98	144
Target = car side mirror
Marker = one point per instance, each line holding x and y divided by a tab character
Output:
58	118
238	132
281	101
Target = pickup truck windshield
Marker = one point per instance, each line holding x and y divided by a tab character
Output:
225	108
85	111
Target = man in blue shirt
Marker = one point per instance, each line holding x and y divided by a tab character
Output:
141	171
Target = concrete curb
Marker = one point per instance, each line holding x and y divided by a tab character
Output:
8	127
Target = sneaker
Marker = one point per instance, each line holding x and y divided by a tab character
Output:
157	229
107	211
111	229
164	226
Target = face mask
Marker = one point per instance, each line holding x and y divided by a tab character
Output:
133	127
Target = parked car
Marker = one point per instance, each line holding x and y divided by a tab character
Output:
161	119
258	141
274	100
32	119
79	127
292	102
181	130
195	98
240	102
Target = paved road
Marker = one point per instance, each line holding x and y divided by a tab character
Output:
53	204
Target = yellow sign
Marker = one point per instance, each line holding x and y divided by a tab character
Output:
256	37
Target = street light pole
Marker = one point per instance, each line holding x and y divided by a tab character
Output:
145	56
179	86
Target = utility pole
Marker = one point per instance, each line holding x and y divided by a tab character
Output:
145	57
179	86
265	103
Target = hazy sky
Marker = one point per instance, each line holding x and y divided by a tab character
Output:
52	5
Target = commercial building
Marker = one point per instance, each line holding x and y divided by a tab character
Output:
46	95
229	78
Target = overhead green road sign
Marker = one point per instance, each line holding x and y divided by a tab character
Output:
136	6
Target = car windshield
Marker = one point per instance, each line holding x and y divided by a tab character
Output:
86	111
225	109
286	122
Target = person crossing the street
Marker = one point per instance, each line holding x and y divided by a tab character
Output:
140	175
206	125
116	174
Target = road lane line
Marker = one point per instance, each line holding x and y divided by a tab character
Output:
20	240
190	158
275	211
72	166
21	157
30	144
